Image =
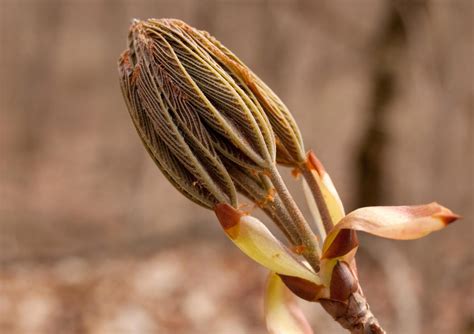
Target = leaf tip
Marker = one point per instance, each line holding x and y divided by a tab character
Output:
448	218
445	215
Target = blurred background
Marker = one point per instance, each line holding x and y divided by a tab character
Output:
93	239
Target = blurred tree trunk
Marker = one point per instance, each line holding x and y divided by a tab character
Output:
38	69
387	51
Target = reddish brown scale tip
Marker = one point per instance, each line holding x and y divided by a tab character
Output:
227	215
302	288
448	218
345	241
314	163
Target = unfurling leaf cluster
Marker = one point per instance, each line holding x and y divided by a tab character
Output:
205	119
216	130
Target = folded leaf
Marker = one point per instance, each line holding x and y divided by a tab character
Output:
282	314
394	222
256	241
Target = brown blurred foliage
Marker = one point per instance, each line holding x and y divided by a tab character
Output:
94	240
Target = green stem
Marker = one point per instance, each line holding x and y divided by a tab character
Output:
282	220
311	249
285	222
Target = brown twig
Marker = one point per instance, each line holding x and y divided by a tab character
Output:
354	314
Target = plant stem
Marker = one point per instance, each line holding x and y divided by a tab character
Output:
283	221
311	249
318	197
281	217
262	195
354	314
275	216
